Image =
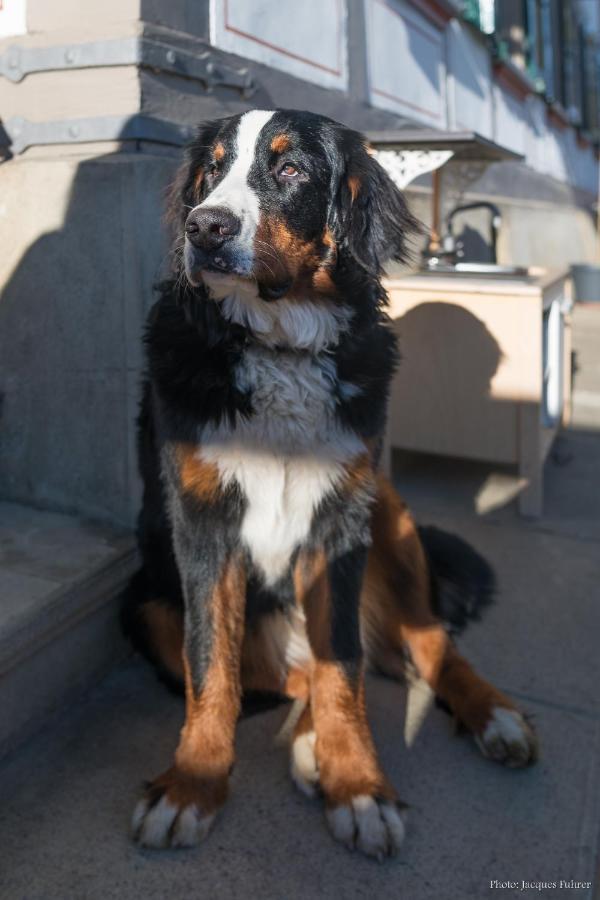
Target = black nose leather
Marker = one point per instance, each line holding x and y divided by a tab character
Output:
208	228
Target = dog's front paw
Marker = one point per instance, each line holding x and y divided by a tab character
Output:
508	738
369	824
177	810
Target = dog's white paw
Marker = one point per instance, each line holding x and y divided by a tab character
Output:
373	826
508	738
303	763
165	824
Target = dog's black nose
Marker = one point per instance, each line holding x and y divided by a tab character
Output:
209	228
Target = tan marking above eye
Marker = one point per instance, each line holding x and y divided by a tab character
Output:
219	152
280	143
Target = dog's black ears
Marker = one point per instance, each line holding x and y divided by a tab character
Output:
371	216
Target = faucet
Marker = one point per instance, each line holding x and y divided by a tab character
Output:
449	242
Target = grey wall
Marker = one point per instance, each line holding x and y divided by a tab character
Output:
73	298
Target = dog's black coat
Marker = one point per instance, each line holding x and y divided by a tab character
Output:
192	352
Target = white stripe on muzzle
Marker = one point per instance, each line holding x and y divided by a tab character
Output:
234	193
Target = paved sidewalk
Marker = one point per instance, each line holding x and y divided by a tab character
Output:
65	800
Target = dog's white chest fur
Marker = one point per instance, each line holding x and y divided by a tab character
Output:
286	457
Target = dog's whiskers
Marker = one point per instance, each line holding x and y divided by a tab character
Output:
267	266
273	253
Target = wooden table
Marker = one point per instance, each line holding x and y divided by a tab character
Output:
485	372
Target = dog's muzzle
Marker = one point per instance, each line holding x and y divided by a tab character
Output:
210	234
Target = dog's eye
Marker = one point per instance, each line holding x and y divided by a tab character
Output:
288	172
213	172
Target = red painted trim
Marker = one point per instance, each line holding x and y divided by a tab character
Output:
439	14
288	53
513	80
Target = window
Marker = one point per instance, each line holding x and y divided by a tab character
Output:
481	13
547	39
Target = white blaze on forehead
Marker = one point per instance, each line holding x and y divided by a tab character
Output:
234	191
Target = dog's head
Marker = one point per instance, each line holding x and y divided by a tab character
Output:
276	205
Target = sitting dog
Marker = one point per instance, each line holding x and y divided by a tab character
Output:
275	557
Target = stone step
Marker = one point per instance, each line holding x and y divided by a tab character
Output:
59	582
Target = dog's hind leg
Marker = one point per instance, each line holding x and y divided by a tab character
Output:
500	730
398	621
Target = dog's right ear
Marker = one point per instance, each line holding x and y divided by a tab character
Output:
371	218
185	192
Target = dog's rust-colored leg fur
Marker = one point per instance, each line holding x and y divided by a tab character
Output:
180	804
397	616
397	622
361	803
346	755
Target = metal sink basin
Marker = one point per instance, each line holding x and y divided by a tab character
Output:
473	268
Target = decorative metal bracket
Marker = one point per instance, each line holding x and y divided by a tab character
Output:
403	166
17	62
23	133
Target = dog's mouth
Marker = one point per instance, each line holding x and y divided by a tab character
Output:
199	263
219	280
273	291
219	265
221	273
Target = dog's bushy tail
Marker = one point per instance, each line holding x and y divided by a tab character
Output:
464	583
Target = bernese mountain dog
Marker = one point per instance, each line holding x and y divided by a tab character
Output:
275	557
